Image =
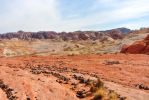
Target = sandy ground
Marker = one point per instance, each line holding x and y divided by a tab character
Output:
120	72
27	86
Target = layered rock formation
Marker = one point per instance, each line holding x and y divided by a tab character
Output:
139	47
77	35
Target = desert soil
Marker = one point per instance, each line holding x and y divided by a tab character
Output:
119	72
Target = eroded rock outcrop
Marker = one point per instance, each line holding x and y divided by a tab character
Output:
139	47
118	33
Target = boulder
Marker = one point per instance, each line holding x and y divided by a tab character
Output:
139	47
124	48
146	50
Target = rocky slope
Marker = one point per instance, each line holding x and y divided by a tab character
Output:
17	47
139	47
74	70
75	77
41	81
78	35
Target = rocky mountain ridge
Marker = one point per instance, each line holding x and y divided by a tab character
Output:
118	33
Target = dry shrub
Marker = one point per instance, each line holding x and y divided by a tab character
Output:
96	86
113	96
109	62
100	94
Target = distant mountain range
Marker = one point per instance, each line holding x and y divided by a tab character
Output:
117	33
122	30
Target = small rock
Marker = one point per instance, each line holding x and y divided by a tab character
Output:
80	94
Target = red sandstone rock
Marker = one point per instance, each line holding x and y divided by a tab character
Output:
147	38
124	48
146	50
137	47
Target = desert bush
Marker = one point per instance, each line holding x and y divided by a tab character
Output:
99	83
113	95
95	86
107	62
98	89
99	94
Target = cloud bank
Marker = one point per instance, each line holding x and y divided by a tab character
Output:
72	15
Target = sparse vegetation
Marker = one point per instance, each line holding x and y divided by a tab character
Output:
109	62
96	86
113	95
98	90
100	94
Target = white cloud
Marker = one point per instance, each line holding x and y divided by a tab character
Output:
35	15
122	11
29	15
136	24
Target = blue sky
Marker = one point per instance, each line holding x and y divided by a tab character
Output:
72	15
